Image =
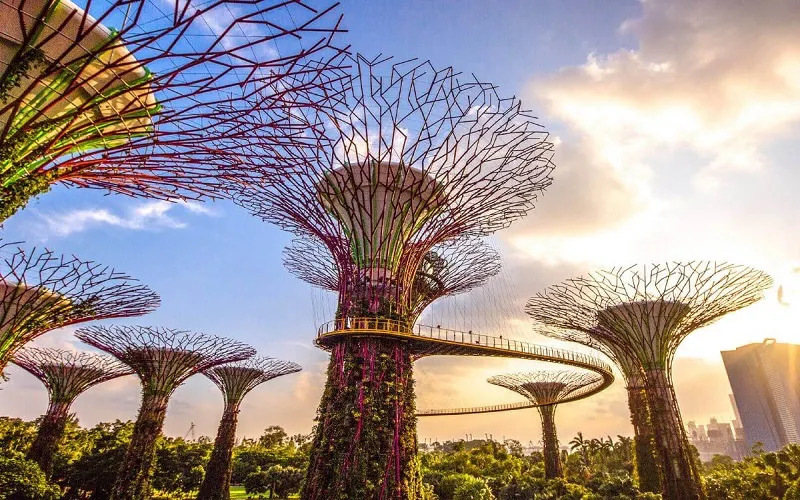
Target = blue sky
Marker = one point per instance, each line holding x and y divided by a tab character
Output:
676	138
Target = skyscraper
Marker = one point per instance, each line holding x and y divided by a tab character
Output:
765	379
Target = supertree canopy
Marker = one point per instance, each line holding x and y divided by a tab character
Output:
65	374
647	469
42	291
450	268
407	157
163	359
235	381
546	389
128	109
646	312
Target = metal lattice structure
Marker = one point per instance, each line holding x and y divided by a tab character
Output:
546	390
131	109
41	291
235	381
404	158
65	374
163	358
647	470
449	269
646	312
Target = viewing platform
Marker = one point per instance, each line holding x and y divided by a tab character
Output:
424	340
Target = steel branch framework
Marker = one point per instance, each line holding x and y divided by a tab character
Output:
646	465
450	268
163	359
65	374
403	158
546	389
145	108
406	158
235	381
41	291
644	313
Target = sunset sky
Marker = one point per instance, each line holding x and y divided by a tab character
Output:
677	126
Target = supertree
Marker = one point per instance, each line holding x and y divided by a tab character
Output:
42	291
546	389
235	381
449	268
646	312
405	158
647	469
66	375
163	358
130	109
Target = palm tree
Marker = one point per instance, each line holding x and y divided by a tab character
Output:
578	443
624	447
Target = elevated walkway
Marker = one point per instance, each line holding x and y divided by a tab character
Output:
426	340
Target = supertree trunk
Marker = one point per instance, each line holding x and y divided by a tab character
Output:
217	482
133	478
644	448
365	441
50	432
552	458
681	479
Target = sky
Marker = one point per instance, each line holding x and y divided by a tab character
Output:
676	125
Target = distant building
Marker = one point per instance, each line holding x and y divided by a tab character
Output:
765	379
716	438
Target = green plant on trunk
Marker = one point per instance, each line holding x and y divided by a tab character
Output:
235	381
66	374
365	425
163	359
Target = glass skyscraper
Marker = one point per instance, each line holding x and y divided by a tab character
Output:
765	379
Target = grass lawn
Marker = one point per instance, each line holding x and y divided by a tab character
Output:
237	493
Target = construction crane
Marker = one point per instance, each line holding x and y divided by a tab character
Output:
190	432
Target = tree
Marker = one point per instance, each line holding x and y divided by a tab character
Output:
22	478
272	436
163	359
235	381
257	483
179	464
94	472
647	312
65	374
284	480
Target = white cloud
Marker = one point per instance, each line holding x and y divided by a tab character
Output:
148	215
717	77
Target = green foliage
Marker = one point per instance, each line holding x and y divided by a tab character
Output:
365	425
256	483
95	470
17	195
793	493
21	478
284	480
16	434
273	436
179	465
25	61
464	487
86	465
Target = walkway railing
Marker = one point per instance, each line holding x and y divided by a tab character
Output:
457	343
399	328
